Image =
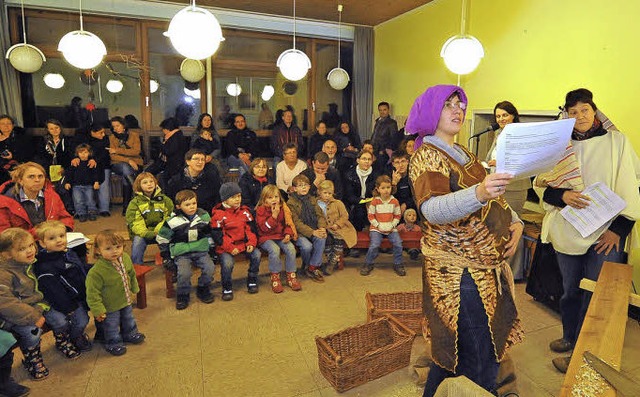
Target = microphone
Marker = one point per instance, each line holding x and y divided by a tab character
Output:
492	127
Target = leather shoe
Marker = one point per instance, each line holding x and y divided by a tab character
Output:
561	363
561	345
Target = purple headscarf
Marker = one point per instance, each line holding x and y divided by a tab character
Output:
425	112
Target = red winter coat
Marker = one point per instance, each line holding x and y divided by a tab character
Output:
270	228
236	229
13	215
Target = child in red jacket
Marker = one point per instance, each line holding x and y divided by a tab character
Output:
275	232
235	220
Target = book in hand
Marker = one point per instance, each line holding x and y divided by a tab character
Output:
75	239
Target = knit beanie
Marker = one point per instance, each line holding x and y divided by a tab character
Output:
228	190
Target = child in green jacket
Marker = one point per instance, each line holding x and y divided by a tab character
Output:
145	214
111	284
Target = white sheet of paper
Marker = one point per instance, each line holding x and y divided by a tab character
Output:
528	149
604	205
75	239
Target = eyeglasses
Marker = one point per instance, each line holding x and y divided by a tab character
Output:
454	105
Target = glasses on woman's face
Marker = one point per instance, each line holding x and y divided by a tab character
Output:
453	105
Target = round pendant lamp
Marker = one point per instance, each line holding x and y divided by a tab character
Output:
195	32
338	77
24	57
293	64
462	53
82	49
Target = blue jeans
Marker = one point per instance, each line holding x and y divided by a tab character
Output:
28	336
273	248
476	357
104	193
83	200
119	326
184	262
375	238
235	162
73	323
311	250
127	173
227	260
138	246
574	302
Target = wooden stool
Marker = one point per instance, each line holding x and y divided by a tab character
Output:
141	271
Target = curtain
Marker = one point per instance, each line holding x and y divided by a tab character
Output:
363	80
10	102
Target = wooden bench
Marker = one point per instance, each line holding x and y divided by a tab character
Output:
409	240
141	272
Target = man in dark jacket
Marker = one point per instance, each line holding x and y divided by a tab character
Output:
384	134
200	177
240	145
321	171
283	133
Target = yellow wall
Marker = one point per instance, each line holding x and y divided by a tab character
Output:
535	51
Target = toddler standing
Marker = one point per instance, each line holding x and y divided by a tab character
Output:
384	216
83	180
275	232
410	217
111	284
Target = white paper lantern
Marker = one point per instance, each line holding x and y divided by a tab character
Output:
338	78
195	33
82	49
234	89
54	80
462	54
293	64
192	70
114	86
267	92
25	58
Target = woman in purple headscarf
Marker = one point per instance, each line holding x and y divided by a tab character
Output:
468	232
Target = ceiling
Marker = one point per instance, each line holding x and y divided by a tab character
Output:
356	12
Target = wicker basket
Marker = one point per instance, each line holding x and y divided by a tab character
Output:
404	306
357	355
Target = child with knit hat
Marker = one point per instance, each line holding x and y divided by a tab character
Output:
237	224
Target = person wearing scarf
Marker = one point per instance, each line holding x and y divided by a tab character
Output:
468	233
597	153
252	182
126	161
358	189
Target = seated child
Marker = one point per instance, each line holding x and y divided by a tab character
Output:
146	213
206	143
401	188
341	231
275	232
185	239
384	216
111	285
83	180
310	224
236	221
61	279
409	225
22	306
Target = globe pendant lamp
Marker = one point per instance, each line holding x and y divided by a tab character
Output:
338	77
82	49
24	57
462	53
293	64
195	32
192	70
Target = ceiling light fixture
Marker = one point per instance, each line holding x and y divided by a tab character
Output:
82	49
153	86
462	53
293	64
195	32
234	89
54	80
192	70
338	77
24	57
114	86
267	92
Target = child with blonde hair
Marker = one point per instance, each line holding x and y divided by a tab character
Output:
384	216
341	231
410	217
111	285
146	213
275	232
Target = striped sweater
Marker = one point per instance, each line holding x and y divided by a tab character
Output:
384	216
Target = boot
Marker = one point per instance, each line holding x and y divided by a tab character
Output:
64	345
204	294
293	282
182	301
276	284
8	387
252	285
82	343
33	363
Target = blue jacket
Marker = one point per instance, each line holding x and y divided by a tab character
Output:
61	279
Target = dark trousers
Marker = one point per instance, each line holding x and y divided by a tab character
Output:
476	356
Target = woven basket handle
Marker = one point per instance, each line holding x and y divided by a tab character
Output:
332	353
402	327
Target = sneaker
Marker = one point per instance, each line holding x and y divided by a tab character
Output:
399	269
366	269
82	343
105	214
117	350
562	363
252	285
204	294
561	345
92	217
315	274
135	339
227	295
182	302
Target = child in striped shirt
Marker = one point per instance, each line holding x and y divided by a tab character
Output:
384	216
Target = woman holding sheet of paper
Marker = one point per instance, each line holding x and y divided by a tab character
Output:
597	153
468	232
